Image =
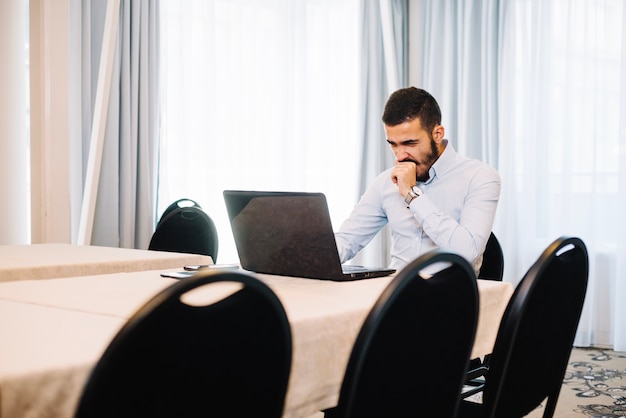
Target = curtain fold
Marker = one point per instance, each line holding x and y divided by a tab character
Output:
126	197
384	69
460	69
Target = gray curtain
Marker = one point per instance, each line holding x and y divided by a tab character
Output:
460	69
384	69
126	200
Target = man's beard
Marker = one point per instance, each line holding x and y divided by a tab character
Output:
427	162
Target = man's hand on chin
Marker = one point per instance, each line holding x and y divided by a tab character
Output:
403	175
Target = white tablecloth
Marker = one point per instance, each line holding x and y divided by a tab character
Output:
46	261
46	355
53	331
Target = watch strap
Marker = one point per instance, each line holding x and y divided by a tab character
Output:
413	193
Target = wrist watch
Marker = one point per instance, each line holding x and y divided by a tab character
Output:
412	194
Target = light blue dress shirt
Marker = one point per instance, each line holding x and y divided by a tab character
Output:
455	212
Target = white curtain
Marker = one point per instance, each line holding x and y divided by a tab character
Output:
561	104
384	69
126	199
261	95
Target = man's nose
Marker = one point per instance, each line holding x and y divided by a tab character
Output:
401	153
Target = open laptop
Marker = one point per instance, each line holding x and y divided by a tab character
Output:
288	234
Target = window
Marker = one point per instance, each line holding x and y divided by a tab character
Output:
259	94
567	74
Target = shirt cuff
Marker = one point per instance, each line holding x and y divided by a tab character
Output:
422	206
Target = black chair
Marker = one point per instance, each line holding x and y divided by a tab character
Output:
493	260
180	357
491	269
184	227
418	327
535	337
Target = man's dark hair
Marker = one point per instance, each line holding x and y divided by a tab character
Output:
409	103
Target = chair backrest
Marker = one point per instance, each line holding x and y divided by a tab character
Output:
185	227
537	331
411	355
181	356
493	260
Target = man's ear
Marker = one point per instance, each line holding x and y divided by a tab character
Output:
438	133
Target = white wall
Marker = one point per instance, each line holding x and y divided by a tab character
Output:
50	179
13	127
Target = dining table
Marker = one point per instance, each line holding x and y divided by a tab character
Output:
54	331
53	260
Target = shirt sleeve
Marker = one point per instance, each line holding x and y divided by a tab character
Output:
469	235
366	220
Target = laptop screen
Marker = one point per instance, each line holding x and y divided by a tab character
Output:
284	233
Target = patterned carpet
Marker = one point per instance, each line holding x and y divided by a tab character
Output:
594	385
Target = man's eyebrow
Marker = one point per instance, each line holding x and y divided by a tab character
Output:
405	142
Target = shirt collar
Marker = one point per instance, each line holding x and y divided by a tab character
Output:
443	163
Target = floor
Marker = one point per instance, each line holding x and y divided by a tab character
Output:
594	386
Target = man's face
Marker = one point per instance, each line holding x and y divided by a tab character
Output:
410	142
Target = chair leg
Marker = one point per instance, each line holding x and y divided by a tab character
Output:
550	408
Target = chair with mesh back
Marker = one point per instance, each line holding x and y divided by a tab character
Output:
410	357
535	337
215	344
185	227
